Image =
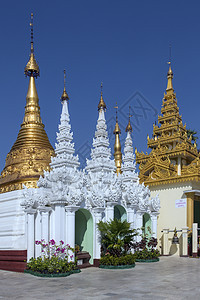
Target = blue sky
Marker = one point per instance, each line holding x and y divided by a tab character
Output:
125	44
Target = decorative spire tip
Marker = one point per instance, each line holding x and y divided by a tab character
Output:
64	94
32	68
101	104
129	127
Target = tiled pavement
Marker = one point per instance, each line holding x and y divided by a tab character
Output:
171	278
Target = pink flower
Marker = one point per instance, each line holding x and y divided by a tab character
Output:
71	256
61	242
63	250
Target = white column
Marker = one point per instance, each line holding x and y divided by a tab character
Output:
70	228
59	222
45	222
97	212
184	251
131	217
30	232
154	225
139	224
179	166
38	236
110	211
165	242
194	239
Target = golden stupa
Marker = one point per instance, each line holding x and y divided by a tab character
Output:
173	157
117	146
32	151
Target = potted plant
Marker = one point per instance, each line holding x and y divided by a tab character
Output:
145	250
54	260
116	244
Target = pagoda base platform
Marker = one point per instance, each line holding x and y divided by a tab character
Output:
13	260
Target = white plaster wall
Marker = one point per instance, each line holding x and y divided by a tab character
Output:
12	222
170	216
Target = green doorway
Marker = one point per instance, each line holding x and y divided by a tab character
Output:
84	231
120	213
147	225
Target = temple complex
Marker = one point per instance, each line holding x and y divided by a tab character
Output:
45	195
171	168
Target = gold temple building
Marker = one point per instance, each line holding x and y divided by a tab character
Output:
31	153
172	168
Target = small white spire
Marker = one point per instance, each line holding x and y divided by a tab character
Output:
129	165
64	148
101	152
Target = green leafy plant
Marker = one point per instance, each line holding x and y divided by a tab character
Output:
116	237
110	260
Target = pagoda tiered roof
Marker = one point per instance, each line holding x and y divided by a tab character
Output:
173	154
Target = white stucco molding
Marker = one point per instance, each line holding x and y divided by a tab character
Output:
196	192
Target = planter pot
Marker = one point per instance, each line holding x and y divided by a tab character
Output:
117	267
52	275
147	260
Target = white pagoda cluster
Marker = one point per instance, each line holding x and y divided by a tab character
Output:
65	189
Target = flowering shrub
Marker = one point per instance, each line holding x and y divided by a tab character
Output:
52	265
50	249
54	258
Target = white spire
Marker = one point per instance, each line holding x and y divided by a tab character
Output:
64	148
101	153
129	165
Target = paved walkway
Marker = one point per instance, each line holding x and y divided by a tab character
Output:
171	278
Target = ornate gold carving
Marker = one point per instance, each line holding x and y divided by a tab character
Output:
169	142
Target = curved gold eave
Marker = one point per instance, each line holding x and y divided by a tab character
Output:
170	180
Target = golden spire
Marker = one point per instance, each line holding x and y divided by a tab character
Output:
117	146
31	153
64	94
129	127
169	89
169	78
101	102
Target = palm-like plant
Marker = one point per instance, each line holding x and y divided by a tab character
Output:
116	237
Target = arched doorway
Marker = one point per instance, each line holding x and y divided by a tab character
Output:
147	225
84	231
120	213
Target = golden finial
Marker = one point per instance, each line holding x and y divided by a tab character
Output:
117	146
32	68
117	129
64	94
129	127
169	74
101	102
